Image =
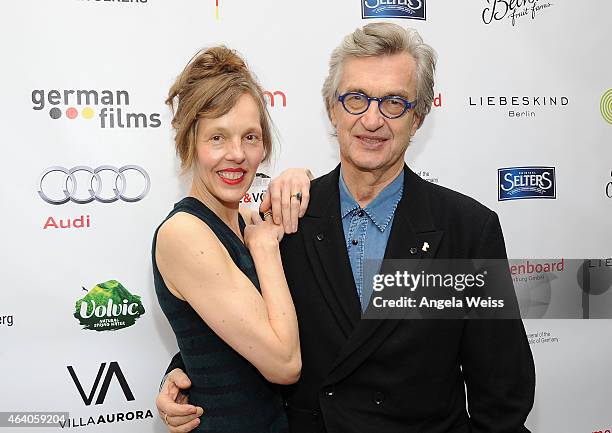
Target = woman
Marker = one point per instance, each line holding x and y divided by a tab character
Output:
219	282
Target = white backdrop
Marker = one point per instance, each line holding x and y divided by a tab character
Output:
49	48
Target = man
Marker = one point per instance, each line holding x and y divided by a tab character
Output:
388	375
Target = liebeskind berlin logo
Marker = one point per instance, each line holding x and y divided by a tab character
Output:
513	10
519	106
408	9
526	182
114	111
108	307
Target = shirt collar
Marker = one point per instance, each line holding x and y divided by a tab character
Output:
381	209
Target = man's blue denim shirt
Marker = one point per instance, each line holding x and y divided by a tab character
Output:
366	231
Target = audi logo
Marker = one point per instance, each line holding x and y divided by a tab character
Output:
96	187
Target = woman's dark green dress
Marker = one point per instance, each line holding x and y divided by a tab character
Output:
235	396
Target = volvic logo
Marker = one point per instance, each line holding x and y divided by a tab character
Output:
526	182
108	108
108	307
408	9
113	371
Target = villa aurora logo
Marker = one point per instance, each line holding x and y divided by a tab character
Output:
108	307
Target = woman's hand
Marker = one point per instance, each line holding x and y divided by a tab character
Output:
283	197
262	234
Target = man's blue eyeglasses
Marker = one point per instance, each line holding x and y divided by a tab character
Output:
391	107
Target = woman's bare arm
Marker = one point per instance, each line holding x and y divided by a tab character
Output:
261	327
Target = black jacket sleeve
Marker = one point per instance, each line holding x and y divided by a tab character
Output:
496	358
176	362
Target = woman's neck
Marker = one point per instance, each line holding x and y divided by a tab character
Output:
227	212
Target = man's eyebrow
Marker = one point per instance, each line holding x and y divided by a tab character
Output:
402	93
356	90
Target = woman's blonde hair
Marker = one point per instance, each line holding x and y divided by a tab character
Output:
209	86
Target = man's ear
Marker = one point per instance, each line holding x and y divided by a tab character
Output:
418	122
332	115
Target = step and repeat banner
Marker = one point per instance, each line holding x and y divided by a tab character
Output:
522	121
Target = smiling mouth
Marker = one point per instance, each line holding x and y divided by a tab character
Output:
371	141
232	177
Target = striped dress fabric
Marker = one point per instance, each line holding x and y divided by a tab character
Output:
235	396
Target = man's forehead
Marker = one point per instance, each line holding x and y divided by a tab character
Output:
390	74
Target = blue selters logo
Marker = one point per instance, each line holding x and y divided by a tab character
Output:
409	9
526	182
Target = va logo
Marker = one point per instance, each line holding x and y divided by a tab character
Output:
113	370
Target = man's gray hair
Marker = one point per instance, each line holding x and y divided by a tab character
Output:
377	39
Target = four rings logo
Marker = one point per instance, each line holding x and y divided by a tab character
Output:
82	184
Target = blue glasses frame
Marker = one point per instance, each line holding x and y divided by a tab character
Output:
408	105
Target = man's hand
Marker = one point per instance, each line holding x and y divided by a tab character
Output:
283	197
173	406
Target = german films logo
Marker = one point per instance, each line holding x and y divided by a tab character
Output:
407	9
605	106
107	108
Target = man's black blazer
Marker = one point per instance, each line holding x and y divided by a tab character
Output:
392	376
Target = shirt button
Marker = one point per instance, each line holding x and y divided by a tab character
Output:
379	397
354	241
329	392
361	213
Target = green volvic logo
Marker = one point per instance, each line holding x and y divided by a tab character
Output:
108	307
606	106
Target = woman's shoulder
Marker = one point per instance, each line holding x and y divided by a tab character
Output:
185	225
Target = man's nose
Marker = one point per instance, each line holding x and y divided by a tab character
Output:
372	119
